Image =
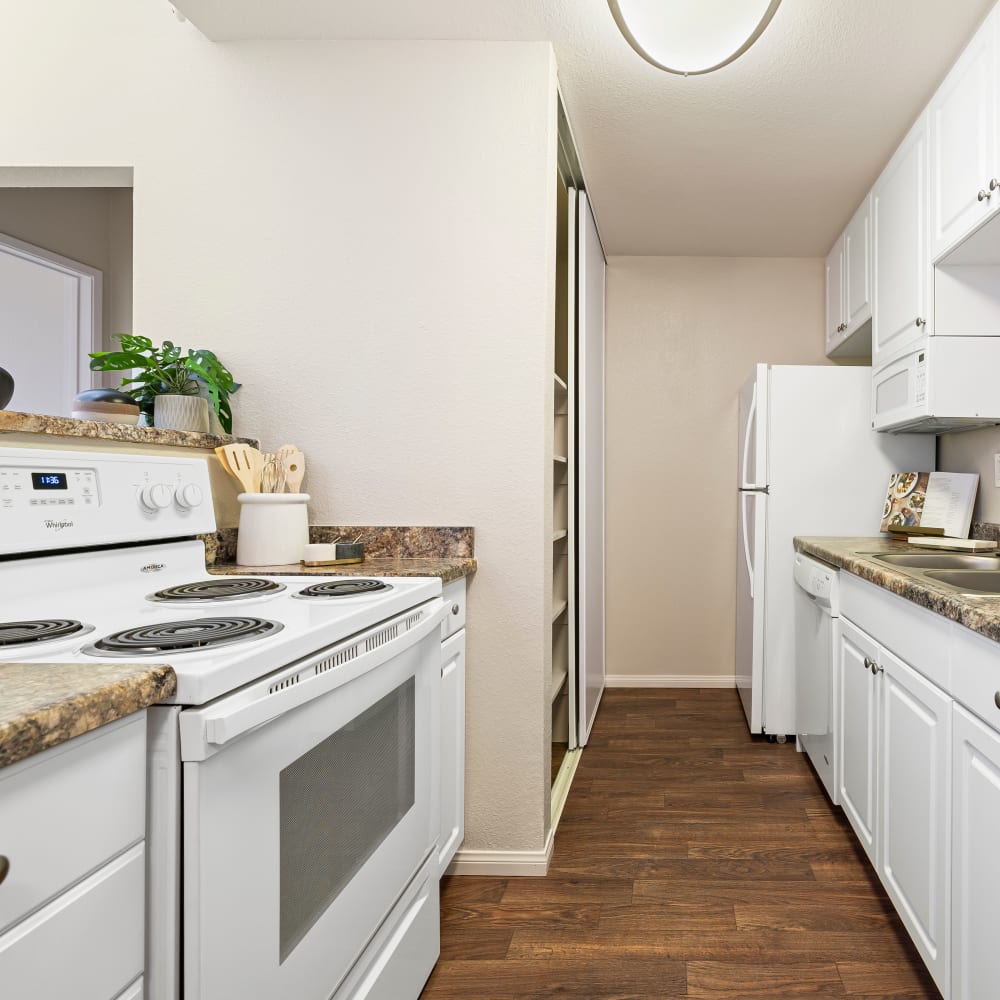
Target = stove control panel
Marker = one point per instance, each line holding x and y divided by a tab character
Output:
60	499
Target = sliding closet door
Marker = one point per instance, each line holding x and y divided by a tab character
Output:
590	469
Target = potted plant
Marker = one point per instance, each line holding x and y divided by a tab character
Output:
167	383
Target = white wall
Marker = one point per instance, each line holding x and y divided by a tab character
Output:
361	232
682	336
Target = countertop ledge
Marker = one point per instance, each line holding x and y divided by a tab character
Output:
45	704
448	569
34	423
979	613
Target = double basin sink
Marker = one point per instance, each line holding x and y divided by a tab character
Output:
959	571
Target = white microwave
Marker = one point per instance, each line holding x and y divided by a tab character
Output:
939	384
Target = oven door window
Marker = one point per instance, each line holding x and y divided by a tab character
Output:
338	803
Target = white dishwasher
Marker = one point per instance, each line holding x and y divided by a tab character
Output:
817	610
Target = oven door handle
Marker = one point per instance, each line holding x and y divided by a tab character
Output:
231	717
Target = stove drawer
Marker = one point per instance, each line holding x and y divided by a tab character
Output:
66	811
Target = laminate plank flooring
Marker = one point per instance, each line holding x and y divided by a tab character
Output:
692	861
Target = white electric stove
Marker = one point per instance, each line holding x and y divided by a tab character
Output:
292	787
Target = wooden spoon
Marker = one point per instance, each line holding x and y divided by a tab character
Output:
294	463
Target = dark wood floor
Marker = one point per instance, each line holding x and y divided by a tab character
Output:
692	860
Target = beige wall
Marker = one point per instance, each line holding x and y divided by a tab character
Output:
682	336
973	451
363	233
89	225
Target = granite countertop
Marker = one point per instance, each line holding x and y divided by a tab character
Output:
978	612
45	704
447	569
35	423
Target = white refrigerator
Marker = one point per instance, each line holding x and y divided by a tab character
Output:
809	464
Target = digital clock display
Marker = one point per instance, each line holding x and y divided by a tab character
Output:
49	480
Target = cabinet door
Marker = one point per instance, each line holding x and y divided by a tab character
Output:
858	268
452	748
914	807
901	267
857	729
975	900
963	145
835	329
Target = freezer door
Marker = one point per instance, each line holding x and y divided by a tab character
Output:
750	605
753	431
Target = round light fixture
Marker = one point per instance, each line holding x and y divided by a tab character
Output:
692	37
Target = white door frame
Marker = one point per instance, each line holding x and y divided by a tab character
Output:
86	334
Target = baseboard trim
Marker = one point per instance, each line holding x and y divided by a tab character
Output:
670	681
503	863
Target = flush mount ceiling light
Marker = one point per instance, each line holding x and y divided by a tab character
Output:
692	37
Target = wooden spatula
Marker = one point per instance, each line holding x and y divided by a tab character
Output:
245	464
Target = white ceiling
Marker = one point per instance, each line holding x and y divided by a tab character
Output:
766	157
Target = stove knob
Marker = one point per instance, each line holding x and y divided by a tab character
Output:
156	496
188	496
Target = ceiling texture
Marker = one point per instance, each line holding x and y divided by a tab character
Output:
767	157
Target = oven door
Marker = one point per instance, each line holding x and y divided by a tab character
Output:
312	809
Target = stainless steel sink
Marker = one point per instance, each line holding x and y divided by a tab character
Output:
968	581
940	560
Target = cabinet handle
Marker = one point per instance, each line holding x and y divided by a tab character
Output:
4	866
868	664
920	321
996	701
983	195
455	609
876	669
994	184
841	328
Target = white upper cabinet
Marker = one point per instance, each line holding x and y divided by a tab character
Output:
848	289
858	269
835	325
964	172
901	302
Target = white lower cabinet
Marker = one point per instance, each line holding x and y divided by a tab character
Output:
72	827
452	754
975	899
895	784
857	737
914	801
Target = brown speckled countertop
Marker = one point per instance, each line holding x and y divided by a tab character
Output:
978	612
35	423
45	704
447	569
389	551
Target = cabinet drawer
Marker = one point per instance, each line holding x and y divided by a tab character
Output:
66	811
914	634
975	675
454	597
87	944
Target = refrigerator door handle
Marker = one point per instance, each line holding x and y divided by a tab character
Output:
751	421
746	541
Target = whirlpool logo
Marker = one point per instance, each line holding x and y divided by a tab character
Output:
54	525
152	567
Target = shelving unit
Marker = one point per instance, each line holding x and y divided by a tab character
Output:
563	634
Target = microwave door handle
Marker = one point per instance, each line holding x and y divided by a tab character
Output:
751	421
746	540
222	725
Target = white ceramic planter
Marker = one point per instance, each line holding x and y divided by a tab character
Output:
180	413
274	528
